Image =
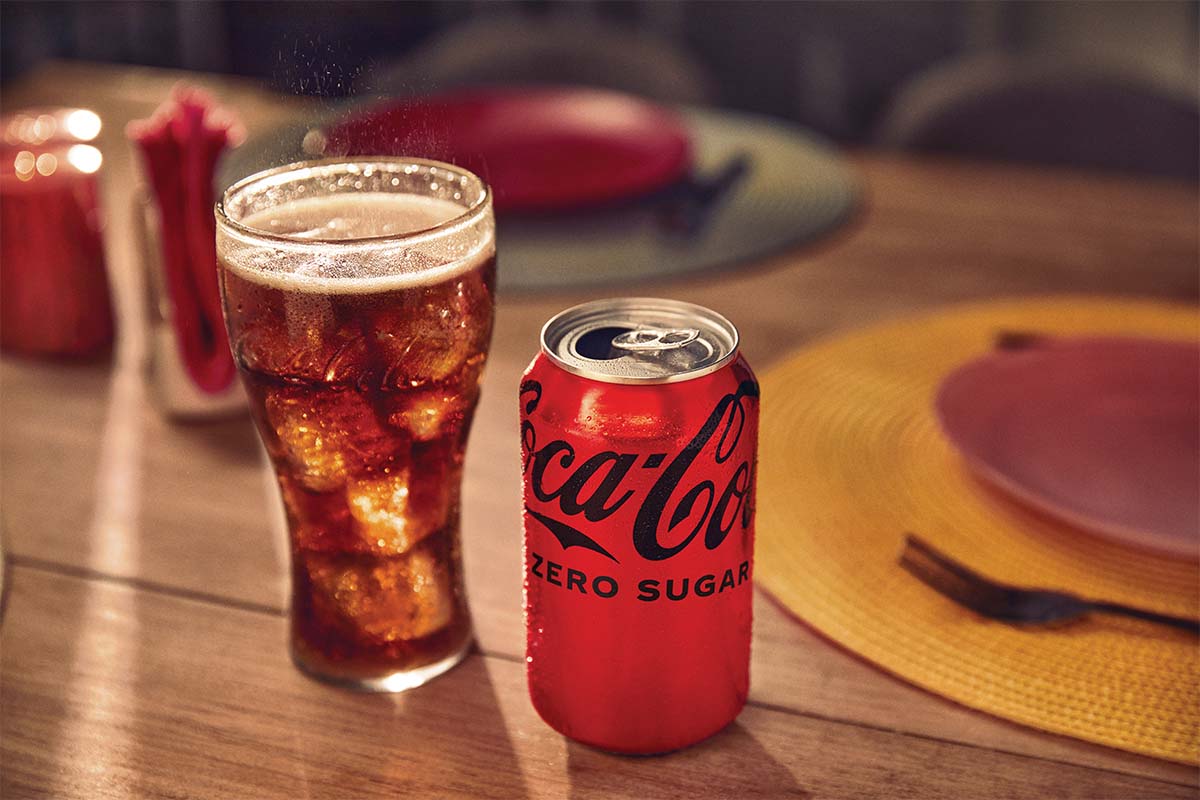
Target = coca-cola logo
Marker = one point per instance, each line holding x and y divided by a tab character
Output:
594	487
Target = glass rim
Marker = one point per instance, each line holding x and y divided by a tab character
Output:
469	214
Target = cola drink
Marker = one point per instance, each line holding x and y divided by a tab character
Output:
639	427
359	300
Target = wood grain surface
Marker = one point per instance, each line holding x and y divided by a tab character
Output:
142	641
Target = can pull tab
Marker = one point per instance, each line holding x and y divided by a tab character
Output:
642	340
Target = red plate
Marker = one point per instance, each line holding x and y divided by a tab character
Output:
540	149
1101	433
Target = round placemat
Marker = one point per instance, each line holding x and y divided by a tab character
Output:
852	458
795	189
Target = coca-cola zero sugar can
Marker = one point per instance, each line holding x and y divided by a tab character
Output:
639	432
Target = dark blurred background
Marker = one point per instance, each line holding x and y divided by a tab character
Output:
893	73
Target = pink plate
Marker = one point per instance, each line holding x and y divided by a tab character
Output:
1101	433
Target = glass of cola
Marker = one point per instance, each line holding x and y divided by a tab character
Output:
358	295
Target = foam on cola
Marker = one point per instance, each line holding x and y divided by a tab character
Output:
350	263
360	321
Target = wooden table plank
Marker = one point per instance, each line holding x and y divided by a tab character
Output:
113	692
96	480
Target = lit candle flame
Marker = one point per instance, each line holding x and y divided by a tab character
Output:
23	164
46	164
84	157
43	128
83	124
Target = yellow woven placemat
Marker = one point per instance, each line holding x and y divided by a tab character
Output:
852	457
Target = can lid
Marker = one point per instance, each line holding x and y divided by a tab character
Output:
639	340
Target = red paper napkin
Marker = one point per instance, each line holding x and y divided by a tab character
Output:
180	145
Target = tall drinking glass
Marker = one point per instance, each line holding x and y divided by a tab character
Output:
359	297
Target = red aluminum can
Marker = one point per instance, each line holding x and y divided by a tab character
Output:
639	432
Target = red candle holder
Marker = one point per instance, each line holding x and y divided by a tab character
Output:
54	291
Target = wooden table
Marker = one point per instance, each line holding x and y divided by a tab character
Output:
143	637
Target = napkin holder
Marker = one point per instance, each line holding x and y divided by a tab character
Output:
172	387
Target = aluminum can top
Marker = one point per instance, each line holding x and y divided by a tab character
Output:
639	340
